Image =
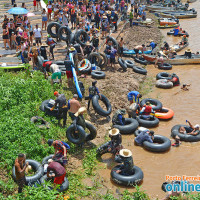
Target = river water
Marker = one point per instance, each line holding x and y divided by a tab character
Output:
183	160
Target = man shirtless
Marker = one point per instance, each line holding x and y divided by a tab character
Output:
73	105
138	48
121	43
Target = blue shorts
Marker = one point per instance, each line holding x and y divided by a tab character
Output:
108	56
44	19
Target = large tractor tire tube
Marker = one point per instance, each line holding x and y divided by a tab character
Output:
104	60
92	131
148	123
114	42
85	36
130	126
141	60
98	108
163	75
184	137
49	29
36	166
98	57
44	124
122	64
49	112
40	62
103	149
129	63
131	180
45	159
76	138
43	104
156	104
66	30
72	38
62	188
160	144
139	70
165	66
98	74
163	83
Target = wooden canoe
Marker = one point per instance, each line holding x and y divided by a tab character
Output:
179	14
178	60
177	47
161	7
169	26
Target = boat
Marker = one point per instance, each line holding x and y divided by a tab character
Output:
169	8
178	60
169	26
13	67
148	21
168	21
180	14
171	32
132	52
191	1
177	47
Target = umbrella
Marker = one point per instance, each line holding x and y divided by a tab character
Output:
18	11
30	15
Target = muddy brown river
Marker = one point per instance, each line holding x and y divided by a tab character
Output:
183	160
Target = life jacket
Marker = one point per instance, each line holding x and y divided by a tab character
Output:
177	82
147	110
92	90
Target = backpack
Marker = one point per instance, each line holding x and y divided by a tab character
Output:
68	104
92	90
115	116
66	145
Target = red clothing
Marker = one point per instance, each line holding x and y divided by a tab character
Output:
147	110
57	169
60	179
69	74
59	146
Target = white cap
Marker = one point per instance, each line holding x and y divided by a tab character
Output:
196	126
50	160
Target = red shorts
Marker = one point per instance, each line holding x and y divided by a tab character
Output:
69	74
49	10
34	3
60	179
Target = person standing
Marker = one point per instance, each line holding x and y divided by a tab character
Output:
37	34
20	168
51	43
44	19
131	18
62	107
121	43
38	3
93	90
73	106
115	19
95	43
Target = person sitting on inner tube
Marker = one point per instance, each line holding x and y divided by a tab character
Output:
127	159
146	111
93	90
116	141
145	135
60	150
118	118
175	80
137	96
58	170
192	130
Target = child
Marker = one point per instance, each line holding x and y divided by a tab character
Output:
177	142
13	41
185	87
112	57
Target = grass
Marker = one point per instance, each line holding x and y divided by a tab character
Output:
146	86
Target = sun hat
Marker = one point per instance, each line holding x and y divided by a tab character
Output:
50	160
80	110
72	49
114	132
44	45
125	153
196	126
